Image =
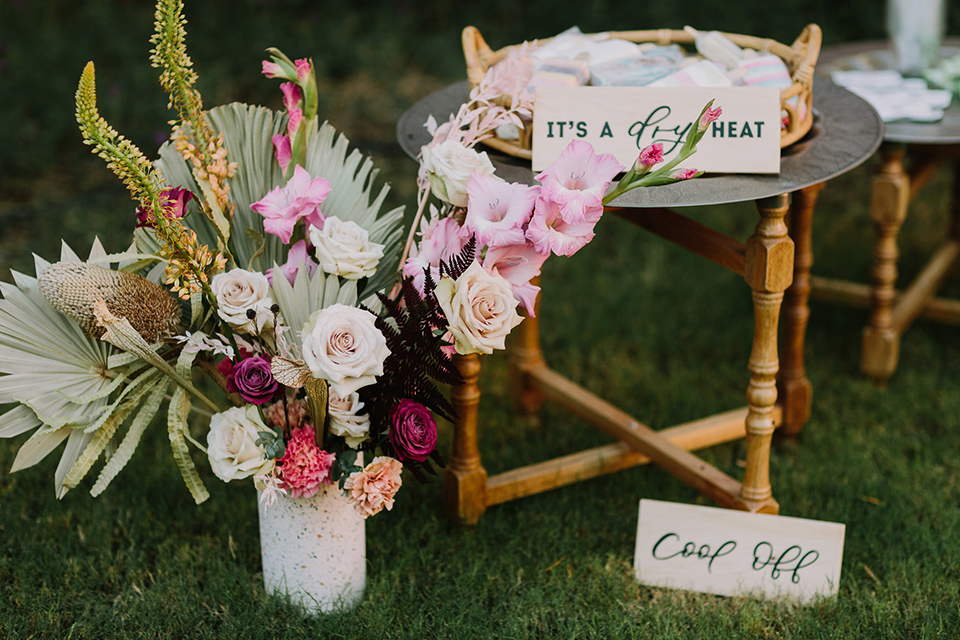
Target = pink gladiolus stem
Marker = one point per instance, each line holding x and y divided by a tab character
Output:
413	229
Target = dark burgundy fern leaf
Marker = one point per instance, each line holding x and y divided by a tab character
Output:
459	263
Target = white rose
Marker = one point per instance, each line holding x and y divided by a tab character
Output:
342	345
480	308
238	291
232	444
346	419
344	249
449	166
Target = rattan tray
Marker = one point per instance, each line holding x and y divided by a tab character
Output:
796	100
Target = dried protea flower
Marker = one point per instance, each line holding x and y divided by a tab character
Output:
73	288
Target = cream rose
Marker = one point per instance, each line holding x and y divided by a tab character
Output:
449	166
343	346
346	419
344	249
480	308
237	292
232	444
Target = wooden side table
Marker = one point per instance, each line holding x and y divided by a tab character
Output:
846	132
910	155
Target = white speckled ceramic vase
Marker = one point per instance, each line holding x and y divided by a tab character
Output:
315	550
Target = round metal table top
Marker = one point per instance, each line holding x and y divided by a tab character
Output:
846	131
874	56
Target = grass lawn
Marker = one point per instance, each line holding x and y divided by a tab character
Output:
661	332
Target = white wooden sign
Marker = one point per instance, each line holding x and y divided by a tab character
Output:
727	552
624	120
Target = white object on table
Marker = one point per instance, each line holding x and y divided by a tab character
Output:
895	97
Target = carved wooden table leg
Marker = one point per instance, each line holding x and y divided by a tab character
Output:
890	195
525	355
769	271
465	479
796	392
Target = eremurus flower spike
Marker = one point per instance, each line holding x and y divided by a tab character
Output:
122	156
194	138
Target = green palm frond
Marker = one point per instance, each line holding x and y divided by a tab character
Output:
61	378
248	131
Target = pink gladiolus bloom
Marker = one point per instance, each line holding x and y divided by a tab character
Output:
295	259
446	240
651	155
272	70
300	199
373	489
296	117
684	174
550	232
497	210
291	95
304	466
518	264
578	180
282	150
303	69
708	116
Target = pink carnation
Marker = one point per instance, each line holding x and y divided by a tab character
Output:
373	489
304	466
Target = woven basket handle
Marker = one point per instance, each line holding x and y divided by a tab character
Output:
808	43
477	54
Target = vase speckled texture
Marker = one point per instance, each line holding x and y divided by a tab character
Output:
315	550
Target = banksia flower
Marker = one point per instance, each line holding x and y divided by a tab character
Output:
74	289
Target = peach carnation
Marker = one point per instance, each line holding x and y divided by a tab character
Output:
372	489
304	466
296	414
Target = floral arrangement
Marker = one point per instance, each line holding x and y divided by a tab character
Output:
259	254
504	232
262	258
